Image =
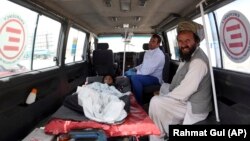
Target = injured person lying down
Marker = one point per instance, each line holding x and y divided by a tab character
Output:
99	102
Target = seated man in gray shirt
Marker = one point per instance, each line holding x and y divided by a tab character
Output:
187	99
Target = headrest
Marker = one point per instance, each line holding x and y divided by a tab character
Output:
145	46
102	46
193	27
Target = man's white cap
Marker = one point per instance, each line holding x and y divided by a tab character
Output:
193	27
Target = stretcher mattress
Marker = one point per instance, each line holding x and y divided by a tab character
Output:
137	124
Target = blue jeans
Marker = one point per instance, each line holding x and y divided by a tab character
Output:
140	81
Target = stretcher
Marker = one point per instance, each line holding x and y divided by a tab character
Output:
136	124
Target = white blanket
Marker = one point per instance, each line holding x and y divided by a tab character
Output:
101	102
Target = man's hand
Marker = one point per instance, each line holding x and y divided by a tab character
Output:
133	69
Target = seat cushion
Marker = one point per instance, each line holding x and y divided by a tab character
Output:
148	92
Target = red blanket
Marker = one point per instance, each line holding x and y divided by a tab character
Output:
137	123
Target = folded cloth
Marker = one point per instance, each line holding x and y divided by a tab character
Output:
123	84
71	102
126	100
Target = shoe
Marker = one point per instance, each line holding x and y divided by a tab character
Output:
166	138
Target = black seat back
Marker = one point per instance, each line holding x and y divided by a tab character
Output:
148	91
141	54
165	72
103	59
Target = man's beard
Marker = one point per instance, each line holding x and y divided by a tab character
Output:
187	56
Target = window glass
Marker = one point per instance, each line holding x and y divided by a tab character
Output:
117	44
233	22
46	43
174	49
23	47
211	41
92	44
75	45
17	26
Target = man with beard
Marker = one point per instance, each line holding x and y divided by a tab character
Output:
187	99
